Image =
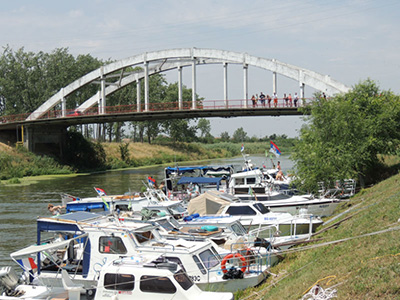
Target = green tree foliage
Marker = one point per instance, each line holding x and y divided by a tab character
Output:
239	136
345	135
204	126
225	136
28	79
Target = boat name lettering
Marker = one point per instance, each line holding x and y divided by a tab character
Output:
195	278
125	292
274	218
325	205
107	294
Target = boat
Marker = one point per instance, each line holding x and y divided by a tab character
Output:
124	278
253	214
136	278
250	186
87	241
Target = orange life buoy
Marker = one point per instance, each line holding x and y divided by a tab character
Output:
233	255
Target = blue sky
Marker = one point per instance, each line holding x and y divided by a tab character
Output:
349	40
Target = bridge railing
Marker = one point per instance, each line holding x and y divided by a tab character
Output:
162	106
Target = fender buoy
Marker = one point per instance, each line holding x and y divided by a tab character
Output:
233	255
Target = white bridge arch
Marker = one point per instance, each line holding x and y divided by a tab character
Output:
164	60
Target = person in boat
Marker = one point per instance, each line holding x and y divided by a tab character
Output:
278	166
279	176
55	209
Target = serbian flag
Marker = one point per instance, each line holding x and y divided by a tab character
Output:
274	149
151	180
242	149
100	191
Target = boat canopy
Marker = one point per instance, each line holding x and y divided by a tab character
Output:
200	180
203	169
39	248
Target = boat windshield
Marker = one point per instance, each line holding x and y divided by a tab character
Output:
238	229
261	208
183	280
209	259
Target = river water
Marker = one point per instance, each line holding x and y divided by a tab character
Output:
21	205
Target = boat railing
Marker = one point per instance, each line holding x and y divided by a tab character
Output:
255	262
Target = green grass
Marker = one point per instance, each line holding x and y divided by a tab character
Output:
362	268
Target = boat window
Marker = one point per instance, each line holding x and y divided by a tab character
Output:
156	284
122	207
261	208
183	280
199	264
111	245
176	260
240	210
166	225
216	253
144	236
239	181
119	282
208	258
250	180
238	229
178	209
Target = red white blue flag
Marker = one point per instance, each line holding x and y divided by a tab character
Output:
274	149
151	180
242	149
100	191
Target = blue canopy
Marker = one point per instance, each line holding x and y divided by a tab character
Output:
200	180
204	169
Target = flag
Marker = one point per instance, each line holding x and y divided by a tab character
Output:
100	191
242	149
251	191
274	149
151	180
27	263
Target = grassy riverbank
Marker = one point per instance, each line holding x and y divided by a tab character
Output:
364	267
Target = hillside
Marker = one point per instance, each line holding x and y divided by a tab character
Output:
363	267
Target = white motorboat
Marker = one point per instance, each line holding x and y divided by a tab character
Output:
250	186
88	241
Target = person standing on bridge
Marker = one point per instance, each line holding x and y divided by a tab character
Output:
253	99
269	100
262	99
275	99
290	100
296	98
286	100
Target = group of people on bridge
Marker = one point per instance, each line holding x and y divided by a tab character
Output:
288	101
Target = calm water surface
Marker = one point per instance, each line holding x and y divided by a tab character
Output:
21	205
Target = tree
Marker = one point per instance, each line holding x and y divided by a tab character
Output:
346	134
204	126
225	136
239	136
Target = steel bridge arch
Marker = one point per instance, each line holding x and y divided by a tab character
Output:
164	60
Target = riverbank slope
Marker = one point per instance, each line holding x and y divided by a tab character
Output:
359	257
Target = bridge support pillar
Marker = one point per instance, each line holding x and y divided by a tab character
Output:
226	84
146	86
49	140
138	100
63	103
194	84
180	97
302	85
245	84
103	92
274	83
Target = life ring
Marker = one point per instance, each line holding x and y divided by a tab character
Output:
233	255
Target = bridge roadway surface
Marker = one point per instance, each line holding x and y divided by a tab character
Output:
158	111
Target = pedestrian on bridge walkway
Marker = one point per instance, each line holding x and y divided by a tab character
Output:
275	100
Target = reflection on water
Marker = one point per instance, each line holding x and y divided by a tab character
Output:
21	205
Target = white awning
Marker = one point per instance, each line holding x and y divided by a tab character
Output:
38	248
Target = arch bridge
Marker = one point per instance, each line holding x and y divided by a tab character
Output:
119	74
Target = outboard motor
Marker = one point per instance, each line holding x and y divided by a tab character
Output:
8	280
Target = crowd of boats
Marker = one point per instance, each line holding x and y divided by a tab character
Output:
205	235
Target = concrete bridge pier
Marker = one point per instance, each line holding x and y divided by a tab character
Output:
45	139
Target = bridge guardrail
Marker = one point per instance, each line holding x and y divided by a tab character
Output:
166	106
